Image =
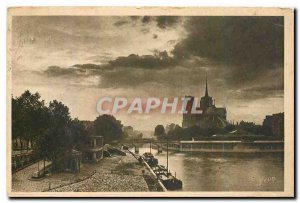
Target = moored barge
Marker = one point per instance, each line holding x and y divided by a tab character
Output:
229	146
259	146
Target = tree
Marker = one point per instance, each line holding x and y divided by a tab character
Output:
159	131
16	120
79	134
28	114
58	137
170	127
51	129
29	120
109	127
250	127
176	133
139	135
63	134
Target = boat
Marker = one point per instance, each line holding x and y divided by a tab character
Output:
164	175
159	149
124	147
150	159
160	170
171	182
232	146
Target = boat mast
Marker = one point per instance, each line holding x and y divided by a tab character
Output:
168	157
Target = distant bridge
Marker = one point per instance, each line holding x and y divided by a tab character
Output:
159	144
148	141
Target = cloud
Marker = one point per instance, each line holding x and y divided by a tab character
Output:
56	71
258	92
146	19
121	22
77	70
101	58
137	71
268	83
157	61
134	18
164	22
145	30
87	66
242	55
252	42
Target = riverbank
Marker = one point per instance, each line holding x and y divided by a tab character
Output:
112	174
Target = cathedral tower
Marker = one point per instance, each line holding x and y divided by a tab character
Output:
206	101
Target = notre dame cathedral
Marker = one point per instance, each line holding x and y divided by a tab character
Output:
211	117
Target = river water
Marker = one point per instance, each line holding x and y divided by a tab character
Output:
204	172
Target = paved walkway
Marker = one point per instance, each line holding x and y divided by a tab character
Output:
121	173
116	174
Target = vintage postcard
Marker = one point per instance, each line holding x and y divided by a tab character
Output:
150	102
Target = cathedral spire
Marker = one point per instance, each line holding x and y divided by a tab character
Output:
206	88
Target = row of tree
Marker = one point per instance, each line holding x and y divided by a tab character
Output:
51	130
176	132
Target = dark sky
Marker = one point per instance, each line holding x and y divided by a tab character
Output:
79	59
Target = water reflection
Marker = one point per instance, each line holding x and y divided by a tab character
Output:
203	172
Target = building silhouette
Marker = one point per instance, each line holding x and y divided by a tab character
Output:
275	123
211	116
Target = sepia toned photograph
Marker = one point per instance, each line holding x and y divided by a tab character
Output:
150	102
